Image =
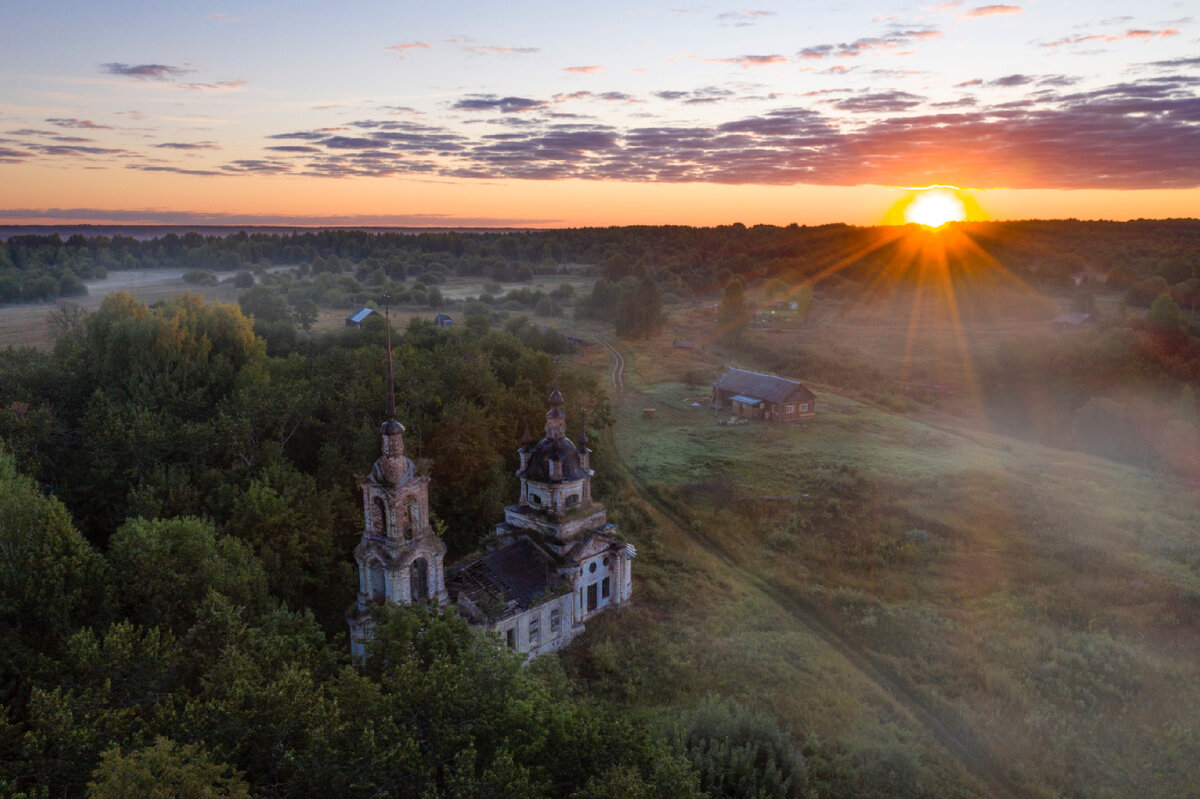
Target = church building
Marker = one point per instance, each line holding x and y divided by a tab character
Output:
554	562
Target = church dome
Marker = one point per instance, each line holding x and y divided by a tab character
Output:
547	450
391	428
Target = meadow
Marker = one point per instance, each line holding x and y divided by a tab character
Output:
992	614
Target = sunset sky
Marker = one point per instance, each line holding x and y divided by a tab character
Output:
551	114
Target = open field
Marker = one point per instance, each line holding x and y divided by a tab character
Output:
27	324
1042	605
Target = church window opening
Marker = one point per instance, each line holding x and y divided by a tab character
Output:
534	632
510	638
378	585
572	500
411	520
604	588
536	499
418	580
555	621
381	516
592	567
591	598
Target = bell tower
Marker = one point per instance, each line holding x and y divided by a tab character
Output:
400	558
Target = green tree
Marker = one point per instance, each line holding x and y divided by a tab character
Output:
733	315
1164	316
51	580
166	568
639	312
165	770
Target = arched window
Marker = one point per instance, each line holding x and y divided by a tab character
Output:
418	580
572	500
378	581
412	519
380	517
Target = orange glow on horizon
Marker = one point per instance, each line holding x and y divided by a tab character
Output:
934	206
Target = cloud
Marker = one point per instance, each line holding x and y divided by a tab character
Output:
742	19
144	71
747	61
199	145
894	39
479	49
587	70
1174	63
1132	33
1125	136
404	49
1011	80
707	94
173	170
491	102
889	102
218	86
989	11
72	122
295	148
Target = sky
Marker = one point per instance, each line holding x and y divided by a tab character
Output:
550	114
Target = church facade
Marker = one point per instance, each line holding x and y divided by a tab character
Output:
554	562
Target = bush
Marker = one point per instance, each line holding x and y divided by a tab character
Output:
243	279
200	277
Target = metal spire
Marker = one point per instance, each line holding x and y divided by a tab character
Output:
391	389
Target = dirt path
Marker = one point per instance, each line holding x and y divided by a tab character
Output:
618	370
954	734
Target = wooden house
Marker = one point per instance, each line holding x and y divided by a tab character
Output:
754	395
442	320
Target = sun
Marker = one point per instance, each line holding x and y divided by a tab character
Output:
935	207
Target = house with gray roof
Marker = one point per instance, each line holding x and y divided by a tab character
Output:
755	395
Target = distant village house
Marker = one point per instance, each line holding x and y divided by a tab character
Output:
357	318
442	320
754	395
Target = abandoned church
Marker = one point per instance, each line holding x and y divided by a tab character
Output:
554	562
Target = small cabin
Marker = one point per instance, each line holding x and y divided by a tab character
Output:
442	320
356	319
754	395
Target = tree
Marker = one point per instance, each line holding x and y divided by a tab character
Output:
639	312
733	317
304	311
741	753
166	568
51	580
165	770
1164	316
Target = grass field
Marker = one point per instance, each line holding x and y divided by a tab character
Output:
1043	604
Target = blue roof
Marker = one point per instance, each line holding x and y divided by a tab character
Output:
745	400
361	315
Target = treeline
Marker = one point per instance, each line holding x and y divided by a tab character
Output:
682	261
177	514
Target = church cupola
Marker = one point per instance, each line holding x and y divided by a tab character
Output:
526	448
